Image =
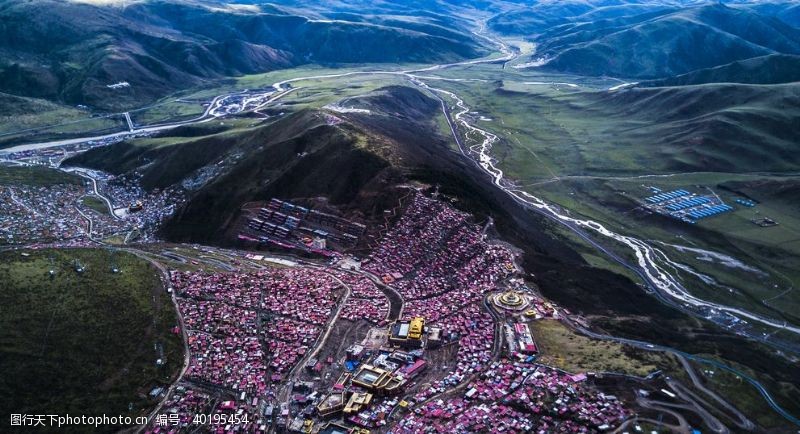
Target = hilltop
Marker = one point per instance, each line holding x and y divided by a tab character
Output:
308	153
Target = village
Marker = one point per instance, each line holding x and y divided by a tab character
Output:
427	334
96	206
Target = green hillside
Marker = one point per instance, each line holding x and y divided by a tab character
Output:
83	343
709	128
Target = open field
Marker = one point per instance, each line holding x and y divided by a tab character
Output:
83	343
560	347
96	204
36	176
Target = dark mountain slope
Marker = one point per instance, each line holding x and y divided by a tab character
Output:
669	44
772	69
540	16
786	11
649	40
71	52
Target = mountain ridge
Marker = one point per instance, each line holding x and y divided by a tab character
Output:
159	47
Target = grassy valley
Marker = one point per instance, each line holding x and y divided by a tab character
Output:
594	152
125	57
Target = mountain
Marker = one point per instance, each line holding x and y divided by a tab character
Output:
659	43
358	161
788	12
712	127
543	15
309	153
71	52
771	69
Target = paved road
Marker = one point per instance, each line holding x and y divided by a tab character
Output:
653	347
205	117
21	203
97	192
186	354
740	420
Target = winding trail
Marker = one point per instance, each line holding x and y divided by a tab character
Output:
743	422
83	174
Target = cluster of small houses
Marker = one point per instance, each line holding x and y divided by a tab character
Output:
146	209
449	268
366	301
247	330
292	303
218	318
514	396
57	213
474	332
29	214
452	264
180	408
235	363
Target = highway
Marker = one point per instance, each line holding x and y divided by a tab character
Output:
205	117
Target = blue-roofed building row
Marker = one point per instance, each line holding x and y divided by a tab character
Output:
708	212
689	203
667	196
